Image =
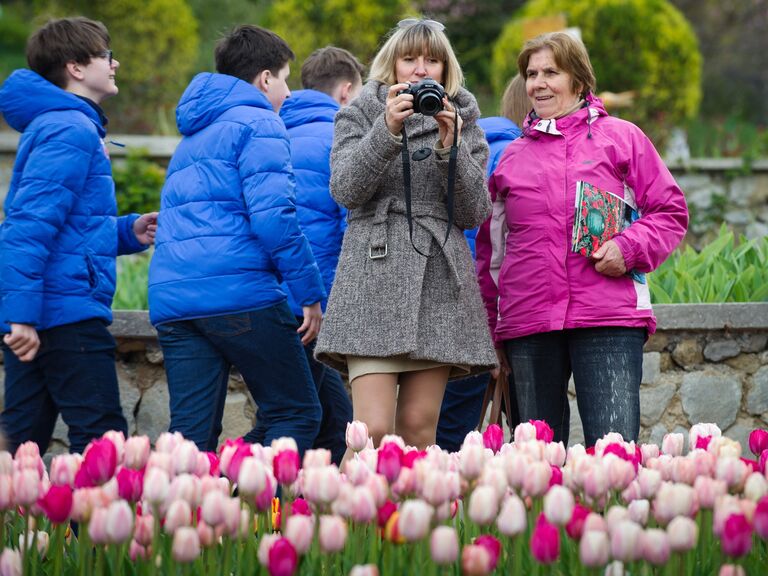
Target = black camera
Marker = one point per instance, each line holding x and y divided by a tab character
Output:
427	96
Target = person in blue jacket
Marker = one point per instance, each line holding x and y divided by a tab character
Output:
463	399
331	78
227	237
59	240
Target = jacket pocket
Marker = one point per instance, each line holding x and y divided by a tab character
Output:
93	276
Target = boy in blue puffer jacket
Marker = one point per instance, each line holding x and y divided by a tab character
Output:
59	240
227	237
332	78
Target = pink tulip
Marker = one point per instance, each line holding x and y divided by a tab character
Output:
758	441
57	503
179	514
363	505
27	457
594	549
760	518
595	482
321	485
595	523
385	511
264	500
638	511
64	468
536	481
186	545
130	484
119	522
737	536
435	489
6	492
10	562
543	430
213	464
649	451
483	505
545	541
492	545
493	437
364	570
575	526
558	505
524	432
156	485
137	451
299	530
137	552
471	461
683	534
731	570
184	457
414	520
763	462
356	435
444	545
252	477
332	534
100	461
700	435
144	530
475	561
97	527
316	458
231	456
26	487
625	541
388	463
654	546
672	444
285	466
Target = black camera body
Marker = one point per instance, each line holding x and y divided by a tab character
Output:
427	96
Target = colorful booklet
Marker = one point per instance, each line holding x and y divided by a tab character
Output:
600	215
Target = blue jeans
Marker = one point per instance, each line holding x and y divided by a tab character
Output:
335	404
460	411
607	366
264	347
72	374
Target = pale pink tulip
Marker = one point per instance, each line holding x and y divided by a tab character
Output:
536	481
682	533
186	545
516	465
649	481
356	471
732	471
475	560
265	543
364	570
704	462
620	473
625	541
119	523
205	465
10	562
683	470
444	545
212	510
332	534
472	460
524	431
708	490
344	502
363	505
649	451
64	468
614	515
483	505
558	505
167	441
594	549
316	458
595	482
184	457
724	447
378	486
6	463
322	485
7	501
473	438
674	500
405	484
144	530
731	570
495	476
638	511
356	435
179	514
206	534
137	552
41	539
252	476
755	487
97	527
595	523
300	531
699	432
512	519
414	520
232	516
160	460
137	451
654	545
156	485
673	444
554	453
26	487
118	439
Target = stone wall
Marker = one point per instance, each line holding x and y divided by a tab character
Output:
706	363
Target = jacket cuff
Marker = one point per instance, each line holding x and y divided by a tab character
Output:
627	251
23	308
383	142
127	243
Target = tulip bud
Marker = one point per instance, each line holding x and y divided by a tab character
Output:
475	561
444	545
558	505
179	514
100	461
186	545
594	549
493	437
625	538
545	541
300	530
332	534
736	539
758	441
682	533
285	466
57	503
10	562
356	435
137	451
119	523
654	546
415	519
672	444
483	505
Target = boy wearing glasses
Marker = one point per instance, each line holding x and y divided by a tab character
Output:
228	236
59	240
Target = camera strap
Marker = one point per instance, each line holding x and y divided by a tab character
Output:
451	183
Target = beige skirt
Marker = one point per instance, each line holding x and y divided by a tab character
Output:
362	365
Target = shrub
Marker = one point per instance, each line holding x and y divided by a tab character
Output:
641	45
132	282
723	271
138	182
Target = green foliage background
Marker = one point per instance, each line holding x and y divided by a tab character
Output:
641	45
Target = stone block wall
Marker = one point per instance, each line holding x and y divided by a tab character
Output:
706	363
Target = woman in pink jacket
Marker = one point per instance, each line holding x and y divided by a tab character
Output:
568	299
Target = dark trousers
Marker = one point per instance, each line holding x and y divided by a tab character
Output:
72	374
264	347
607	367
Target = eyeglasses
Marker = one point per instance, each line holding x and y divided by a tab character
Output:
108	55
431	24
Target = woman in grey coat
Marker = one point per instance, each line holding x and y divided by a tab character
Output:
396	317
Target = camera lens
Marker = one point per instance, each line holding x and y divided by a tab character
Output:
430	103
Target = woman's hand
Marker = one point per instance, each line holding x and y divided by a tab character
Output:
445	122
398	108
609	260
503	364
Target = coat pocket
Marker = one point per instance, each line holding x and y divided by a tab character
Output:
93	276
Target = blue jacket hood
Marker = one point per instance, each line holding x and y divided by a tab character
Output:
209	95
499	128
305	106
25	95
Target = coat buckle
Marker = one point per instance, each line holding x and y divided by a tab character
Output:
377	252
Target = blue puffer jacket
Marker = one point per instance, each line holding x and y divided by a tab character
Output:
308	116
499	132
227	231
61	232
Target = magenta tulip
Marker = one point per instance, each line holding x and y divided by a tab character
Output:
493	437
492	545
388	463
130	484
285	466
760	519
575	526
543	431
737	536
283	559
545	541
57	503
758	441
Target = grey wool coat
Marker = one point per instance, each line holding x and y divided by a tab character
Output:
404	303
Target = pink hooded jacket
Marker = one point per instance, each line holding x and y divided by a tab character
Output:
530	280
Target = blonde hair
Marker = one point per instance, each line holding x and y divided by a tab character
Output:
515	104
417	39
570	55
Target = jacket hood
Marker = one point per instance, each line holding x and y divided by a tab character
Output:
498	128
305	106
209	95
25	95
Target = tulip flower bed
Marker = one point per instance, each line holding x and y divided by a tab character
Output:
525	507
